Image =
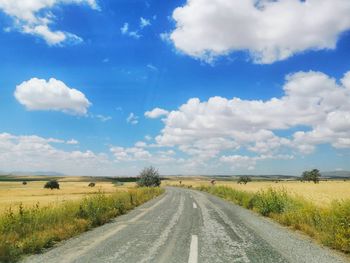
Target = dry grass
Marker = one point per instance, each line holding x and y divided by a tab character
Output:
30	230
14	193
321	194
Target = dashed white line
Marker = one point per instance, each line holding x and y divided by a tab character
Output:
194	205
193	258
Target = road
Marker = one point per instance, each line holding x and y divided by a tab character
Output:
188	226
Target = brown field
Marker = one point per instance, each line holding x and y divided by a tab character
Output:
320	194
12	194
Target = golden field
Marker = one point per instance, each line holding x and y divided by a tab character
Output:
71	188
321	194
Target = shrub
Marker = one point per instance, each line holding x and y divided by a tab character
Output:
24	182
149	177
52	184
92	184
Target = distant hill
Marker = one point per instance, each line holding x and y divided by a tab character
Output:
336	174
47	173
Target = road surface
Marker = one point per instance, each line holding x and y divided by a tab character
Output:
188	226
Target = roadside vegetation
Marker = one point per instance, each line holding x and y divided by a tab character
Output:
30	230
330	225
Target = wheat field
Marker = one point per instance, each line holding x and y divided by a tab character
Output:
321	194
12	194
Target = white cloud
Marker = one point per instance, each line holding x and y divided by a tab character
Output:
103	118
132	119
124	29
156	113
35	17
269	30
144	22
140	144
248	162
314	110
34	153
152	67
39	94
72	142
130	154
134	34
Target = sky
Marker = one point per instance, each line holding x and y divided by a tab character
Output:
192	87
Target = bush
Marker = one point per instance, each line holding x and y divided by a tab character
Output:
24	182
52	184
149	177
92	184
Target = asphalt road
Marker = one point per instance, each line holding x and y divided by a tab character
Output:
189	226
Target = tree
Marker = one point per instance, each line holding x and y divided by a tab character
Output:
149	177
52	184
313	175
305	176
244	180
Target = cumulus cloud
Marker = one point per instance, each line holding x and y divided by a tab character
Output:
269	30
314	110
248	162
35	153
35	17
130	154
156	113
39	94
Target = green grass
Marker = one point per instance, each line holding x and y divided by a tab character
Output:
29	231
329	225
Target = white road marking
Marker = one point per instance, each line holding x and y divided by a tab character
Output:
194	205
193	258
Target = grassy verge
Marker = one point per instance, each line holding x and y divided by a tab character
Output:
330	225
28	231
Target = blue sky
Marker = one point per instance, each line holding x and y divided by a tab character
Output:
102	87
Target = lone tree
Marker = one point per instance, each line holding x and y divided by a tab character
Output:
244	180
149	177
52	184
313	175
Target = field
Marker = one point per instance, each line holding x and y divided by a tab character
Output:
321	194
13	193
